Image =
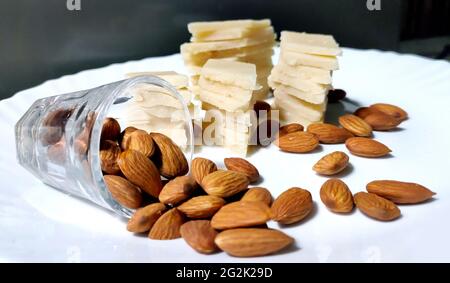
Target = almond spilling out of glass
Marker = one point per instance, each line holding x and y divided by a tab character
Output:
213	209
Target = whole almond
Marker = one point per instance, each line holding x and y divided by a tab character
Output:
355	125
241	214
140	141
376	207
199	235
177	190
200	167
297	142
366	147
290	128
123	139
258	194
167	226
123	191
54	124
390	110
336	196
222	183
382	122
331	163
247	242
172	162
201	206
110	129
242	166
140	171
400	192
363	112
109	154
292	206
144	218
329	133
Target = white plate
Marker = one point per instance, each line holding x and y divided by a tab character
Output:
38	223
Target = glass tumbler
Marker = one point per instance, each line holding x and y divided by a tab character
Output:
58	138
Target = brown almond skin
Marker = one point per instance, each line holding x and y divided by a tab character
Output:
242	166
200	167
53	127
110	129
335	95
297	142
123	139
177	190
200	236
144	218
201	206
390	110
109	154
363	112
167	227
290	128
366	147
222	183
171	160
249	242
261	105
336	196
140	141
376	207
329	133
400	192
241	214
382	122
292	206
123	191
355	125
331	163
258	194
141	171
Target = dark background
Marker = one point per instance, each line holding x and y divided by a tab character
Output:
41	39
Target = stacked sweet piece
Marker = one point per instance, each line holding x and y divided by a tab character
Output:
155	109
302	78
227	87
249	41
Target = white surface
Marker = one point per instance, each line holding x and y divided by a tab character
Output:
38	223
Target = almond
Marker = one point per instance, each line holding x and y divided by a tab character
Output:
200	167
247	242
144	218
167	226
363	112
241	214
376	207
355	125
199	235
390	110
297	142
400	192
381	122
109	154
242	166
258	194
329	133
123	139
331	163
290	128
201	206
53	126
140	141
292	206
123	191
57	152
140	171
262	107
336	196
110	129
366	147
224	184
177	190
172	162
